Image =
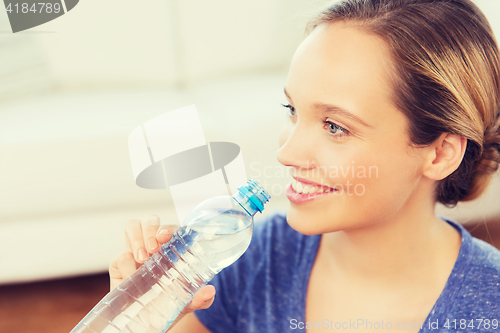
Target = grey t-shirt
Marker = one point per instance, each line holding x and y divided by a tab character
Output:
265	290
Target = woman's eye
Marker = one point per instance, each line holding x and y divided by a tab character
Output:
335	129
291	109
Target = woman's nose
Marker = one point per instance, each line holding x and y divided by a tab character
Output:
296	148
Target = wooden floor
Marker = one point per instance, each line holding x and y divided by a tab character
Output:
49	307
57	306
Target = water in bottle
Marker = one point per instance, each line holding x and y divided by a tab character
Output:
216	233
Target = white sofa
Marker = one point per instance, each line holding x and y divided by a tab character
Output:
66	185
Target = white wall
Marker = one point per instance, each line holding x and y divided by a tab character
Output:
64	159
118	43
163	43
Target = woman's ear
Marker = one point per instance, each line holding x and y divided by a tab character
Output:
444	156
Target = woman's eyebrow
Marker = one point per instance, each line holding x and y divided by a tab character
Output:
340	111
329	108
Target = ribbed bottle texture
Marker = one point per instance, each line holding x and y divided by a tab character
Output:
151	299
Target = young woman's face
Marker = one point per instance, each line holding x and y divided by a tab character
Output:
344	132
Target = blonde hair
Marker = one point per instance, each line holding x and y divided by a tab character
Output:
447	78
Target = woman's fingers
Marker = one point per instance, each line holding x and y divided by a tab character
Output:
164	235
142	238
202	299
145	237
126	265
135	241
122	267
150	225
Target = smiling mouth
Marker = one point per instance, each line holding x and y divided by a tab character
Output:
308	188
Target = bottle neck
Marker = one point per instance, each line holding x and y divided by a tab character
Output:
245	202
252	197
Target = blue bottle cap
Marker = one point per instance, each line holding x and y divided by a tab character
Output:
257	195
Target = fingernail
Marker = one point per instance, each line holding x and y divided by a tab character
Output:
142	255
152	243
164	232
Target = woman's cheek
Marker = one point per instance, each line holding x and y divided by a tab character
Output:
347	167
284	134
354	179
392	180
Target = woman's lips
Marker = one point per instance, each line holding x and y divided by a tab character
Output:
299	198
306	186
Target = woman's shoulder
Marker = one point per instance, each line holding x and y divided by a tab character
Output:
474	289
479	293
477	255
484	268
486	257
483	259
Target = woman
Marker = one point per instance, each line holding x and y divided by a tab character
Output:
393	106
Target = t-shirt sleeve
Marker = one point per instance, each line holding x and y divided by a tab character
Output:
479	295
230	285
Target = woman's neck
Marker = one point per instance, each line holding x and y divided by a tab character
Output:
403	248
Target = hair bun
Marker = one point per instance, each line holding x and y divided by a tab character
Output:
491	152
487	164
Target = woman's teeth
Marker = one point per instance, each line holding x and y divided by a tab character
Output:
308	188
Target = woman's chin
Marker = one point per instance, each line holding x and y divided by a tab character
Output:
304	223
318	222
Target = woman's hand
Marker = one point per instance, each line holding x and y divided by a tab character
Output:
142	239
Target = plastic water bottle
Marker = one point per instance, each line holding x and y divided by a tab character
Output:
217	232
